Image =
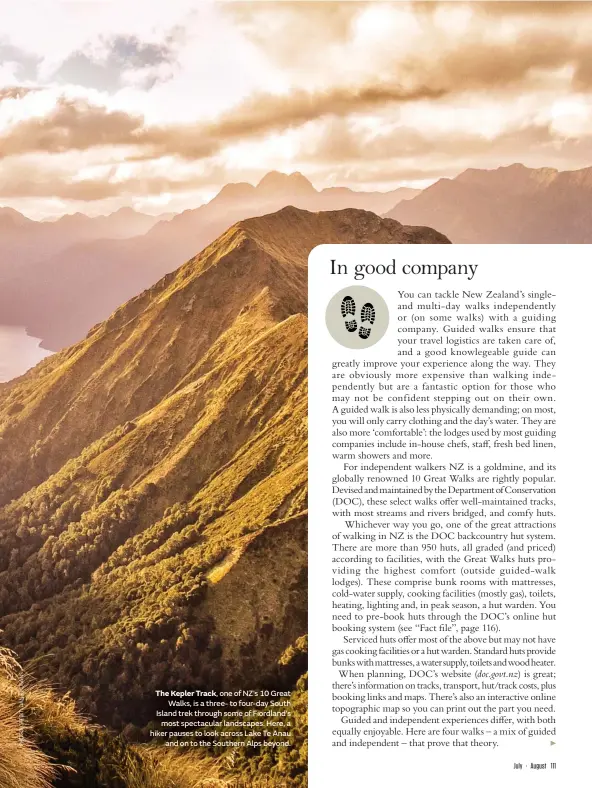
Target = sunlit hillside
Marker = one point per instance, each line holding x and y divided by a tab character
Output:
153	481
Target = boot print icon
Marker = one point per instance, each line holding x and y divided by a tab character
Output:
357	317
367	317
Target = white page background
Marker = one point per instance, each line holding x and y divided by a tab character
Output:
565	270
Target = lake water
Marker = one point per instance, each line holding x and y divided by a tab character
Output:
18	352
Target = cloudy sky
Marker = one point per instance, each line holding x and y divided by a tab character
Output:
158	104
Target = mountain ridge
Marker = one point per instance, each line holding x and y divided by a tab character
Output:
153	477
81	285
252	263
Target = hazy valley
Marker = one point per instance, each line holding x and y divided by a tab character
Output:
58	279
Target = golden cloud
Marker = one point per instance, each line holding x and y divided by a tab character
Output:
15	92
508	56
475	67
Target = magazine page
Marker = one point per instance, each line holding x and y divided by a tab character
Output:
447	538
206	210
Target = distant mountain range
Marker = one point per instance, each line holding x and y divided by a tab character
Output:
58	279
512	204
153	478
59	288
24	241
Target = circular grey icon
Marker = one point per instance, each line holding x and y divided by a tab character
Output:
357	317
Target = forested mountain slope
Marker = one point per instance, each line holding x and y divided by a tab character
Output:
153	477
